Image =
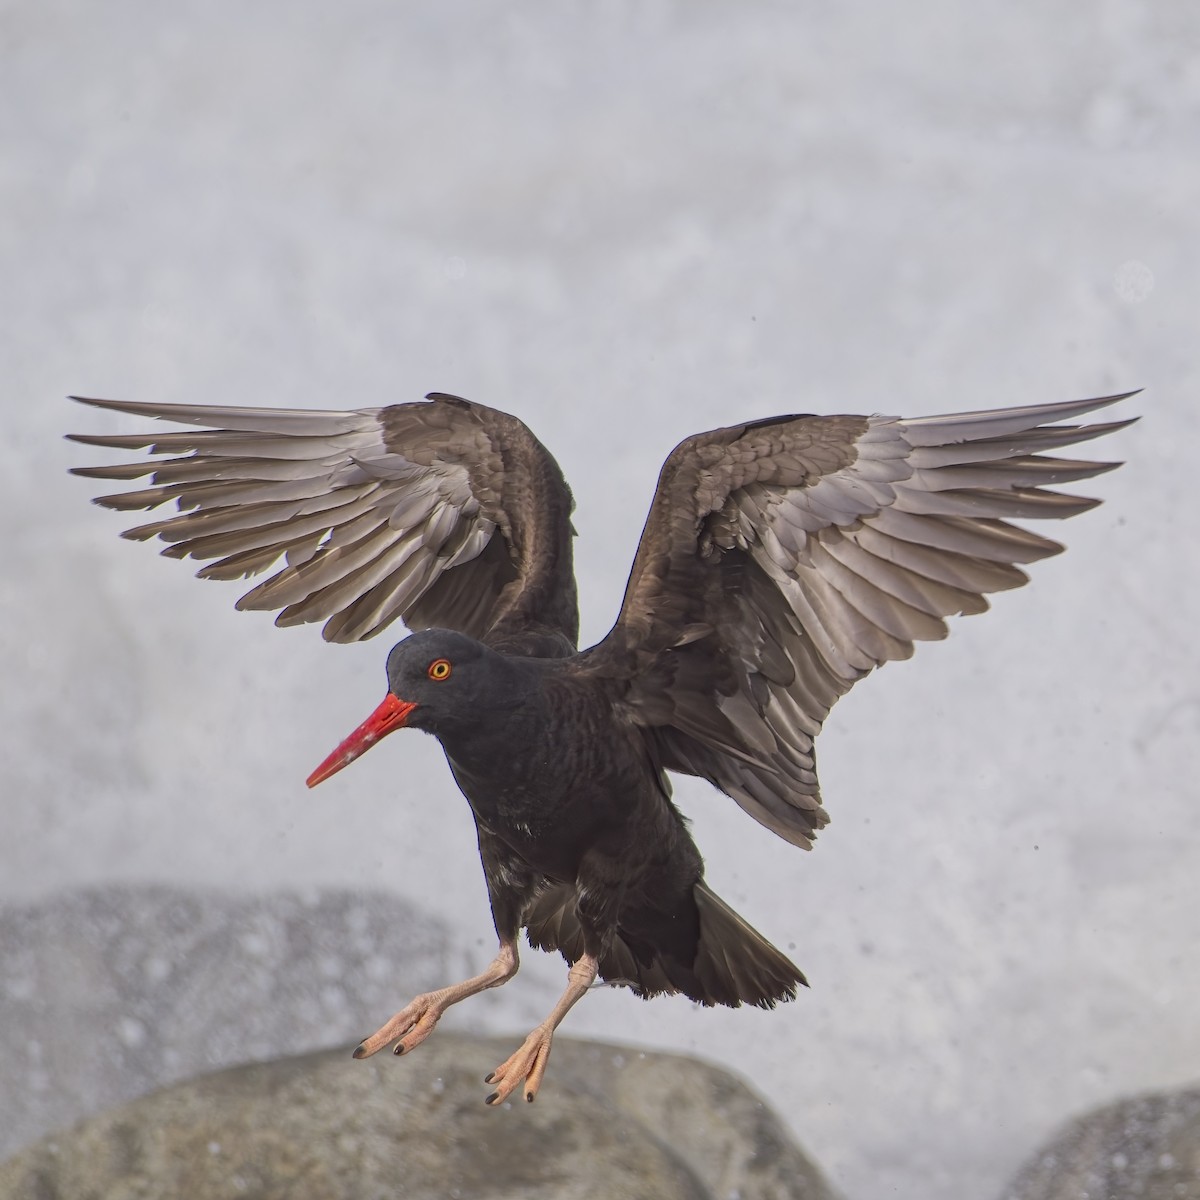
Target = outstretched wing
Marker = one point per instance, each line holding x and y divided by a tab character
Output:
784	559
443	513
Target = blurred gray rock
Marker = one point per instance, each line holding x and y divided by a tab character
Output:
1147	1147
109	992
610	1123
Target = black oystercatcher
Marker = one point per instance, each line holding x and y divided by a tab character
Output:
781	561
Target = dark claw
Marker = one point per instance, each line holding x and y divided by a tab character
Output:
492	1098
489	1077
399	1048
529	1097
360	1049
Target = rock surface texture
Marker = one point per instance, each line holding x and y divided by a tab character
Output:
1144	1148
106	993
612	1123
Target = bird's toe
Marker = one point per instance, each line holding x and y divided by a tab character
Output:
408	1028
527	1065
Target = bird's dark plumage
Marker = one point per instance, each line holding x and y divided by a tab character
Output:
781	561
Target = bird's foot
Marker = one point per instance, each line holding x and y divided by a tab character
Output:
528	1064
417	1020
408	1028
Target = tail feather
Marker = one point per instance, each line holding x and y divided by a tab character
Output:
733	964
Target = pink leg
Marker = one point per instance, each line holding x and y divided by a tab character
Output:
414	1023
529	1062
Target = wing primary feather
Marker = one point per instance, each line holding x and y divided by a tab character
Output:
258	420
1018	472
998	422
1021	503
1046	437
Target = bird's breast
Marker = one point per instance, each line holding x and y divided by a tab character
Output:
551	793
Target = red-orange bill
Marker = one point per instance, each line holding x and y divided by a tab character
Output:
391	714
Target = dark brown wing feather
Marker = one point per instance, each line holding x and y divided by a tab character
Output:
784	560
443	513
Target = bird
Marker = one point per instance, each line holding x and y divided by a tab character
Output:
781	561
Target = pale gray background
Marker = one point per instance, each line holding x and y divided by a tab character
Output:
626	222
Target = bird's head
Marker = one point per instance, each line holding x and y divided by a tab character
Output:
437	680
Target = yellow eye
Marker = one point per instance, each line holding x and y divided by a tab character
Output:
439	669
